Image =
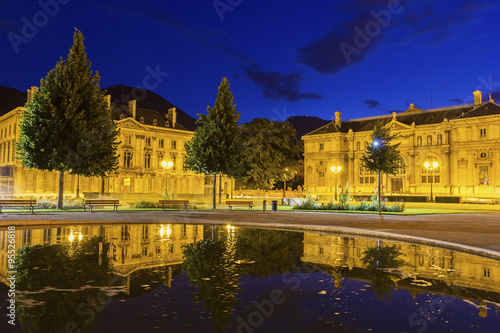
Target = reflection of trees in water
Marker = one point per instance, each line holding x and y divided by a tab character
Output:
74	299
211	267
274	251
381	262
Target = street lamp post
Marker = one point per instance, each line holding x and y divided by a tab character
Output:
166	165
431	169
336	170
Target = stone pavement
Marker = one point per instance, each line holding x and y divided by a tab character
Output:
476	232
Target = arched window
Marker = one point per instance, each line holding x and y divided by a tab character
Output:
429	140
440	139
358	145
366	176
430	176
419	141
401	167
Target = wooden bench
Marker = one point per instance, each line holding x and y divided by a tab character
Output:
231	203
31	203
95	202
184	203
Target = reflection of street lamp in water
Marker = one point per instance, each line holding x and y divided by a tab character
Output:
336	170
431	169
166	165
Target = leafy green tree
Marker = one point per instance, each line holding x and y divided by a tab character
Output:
381	155
216	144
67	126
272	152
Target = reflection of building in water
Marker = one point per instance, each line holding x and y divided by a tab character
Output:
134	246
423	266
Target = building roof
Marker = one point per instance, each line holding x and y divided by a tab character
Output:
413	115
148	115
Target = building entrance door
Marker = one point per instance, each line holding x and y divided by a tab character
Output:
397	185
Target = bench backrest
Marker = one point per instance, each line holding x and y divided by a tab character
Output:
17	201
104	202
174	201
239	202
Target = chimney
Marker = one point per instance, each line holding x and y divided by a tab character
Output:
491	99
107	98
30	92
172	117
132	108
394	115
337	119
477	97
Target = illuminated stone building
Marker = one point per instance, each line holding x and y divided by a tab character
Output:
147	139
463	140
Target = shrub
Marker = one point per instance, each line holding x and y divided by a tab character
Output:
363	206
329	206
73	204
309	202
144	204
344	198
46	204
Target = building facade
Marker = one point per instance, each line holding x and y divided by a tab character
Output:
463	140
147	138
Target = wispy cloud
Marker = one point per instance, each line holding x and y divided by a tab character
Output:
372	103
280	86
349	42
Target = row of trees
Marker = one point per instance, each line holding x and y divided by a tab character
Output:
68	127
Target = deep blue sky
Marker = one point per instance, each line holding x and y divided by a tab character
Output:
282	58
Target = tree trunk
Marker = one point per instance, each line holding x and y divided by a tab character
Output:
78	186
220	188
378	193
102	187
214	201
60	195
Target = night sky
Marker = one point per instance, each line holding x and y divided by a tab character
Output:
282	58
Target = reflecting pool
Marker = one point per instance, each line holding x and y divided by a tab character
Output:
193	278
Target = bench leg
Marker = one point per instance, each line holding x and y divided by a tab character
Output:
185	208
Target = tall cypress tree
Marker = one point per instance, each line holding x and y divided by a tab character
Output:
67	126
216	144
381	155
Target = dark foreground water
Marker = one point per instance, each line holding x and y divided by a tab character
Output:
188	278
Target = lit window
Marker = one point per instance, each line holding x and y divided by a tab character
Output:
484	175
